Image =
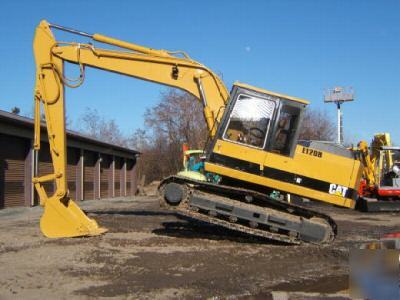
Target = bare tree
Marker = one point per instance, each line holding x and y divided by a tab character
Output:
15	110
176	119
98	127
317	126
179	118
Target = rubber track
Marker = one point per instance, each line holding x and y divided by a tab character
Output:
239	194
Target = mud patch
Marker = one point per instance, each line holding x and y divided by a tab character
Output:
207	272
324	285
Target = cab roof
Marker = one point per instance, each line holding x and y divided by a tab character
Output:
247	86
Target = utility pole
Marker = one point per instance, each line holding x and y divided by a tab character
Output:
340	123
339	95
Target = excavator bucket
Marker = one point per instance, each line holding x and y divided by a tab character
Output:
63	218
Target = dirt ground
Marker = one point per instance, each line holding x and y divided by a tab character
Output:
150	253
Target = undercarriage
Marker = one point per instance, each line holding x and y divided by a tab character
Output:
246	211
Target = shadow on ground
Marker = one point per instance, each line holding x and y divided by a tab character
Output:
185	227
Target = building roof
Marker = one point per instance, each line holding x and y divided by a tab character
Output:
29	122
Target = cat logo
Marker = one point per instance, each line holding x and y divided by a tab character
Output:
337	190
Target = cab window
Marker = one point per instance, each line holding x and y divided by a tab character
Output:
285	130
250	120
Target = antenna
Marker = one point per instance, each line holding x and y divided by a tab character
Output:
339	95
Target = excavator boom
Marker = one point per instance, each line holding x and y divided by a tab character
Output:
62	217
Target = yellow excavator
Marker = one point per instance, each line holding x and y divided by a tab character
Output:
380	187
253	146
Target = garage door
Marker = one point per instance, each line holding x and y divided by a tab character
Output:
129	177
89	175
46	167
105	176
13	151
117	176
72	167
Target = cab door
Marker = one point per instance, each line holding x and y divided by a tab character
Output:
279	163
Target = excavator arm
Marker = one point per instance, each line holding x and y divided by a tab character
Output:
370	156
62	217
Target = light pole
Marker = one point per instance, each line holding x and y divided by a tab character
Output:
339	95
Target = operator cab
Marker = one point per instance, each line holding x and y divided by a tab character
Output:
388	175
262	119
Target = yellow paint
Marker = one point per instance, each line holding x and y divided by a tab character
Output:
330	168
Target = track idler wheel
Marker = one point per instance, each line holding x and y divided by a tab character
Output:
174	193
330	235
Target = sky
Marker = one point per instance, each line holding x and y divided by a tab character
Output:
299	48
